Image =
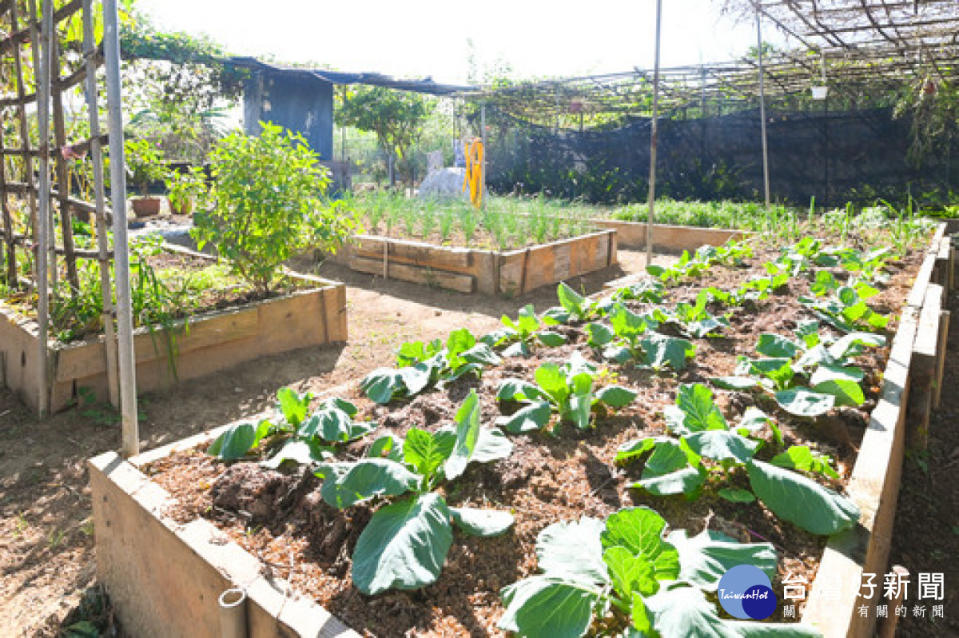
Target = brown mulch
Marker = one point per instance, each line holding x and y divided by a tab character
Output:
280	518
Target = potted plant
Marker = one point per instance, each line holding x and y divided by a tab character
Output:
145	163
183	189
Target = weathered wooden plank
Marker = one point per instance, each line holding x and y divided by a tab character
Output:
414	252
417	274
944	317
918	293
923	368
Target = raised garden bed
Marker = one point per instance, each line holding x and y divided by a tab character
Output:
228	328
283	517
492	272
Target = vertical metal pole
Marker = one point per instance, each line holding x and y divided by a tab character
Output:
121	257
762	107
653	139
43	197
485	151
103	247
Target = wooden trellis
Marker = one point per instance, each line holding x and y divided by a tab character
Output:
35	59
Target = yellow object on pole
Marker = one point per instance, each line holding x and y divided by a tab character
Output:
473	180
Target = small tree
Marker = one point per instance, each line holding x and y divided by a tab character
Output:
396	117
266	203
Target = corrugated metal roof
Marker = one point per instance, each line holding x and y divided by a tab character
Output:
425	85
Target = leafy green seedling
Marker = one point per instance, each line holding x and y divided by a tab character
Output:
626	573
705	449
568	390
426	364
520	333
302	436
405	543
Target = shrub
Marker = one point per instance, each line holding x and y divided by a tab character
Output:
266	203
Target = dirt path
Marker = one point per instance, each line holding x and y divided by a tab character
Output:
926	535
46	532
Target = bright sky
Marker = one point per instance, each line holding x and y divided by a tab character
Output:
416	38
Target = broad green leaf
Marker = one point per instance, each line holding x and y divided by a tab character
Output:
517	390
736	495
460	341
425	451
529	418
293	405
330	422
599	334
845	345
826	372
467	434
552	381
573	548
616	396
629	572
518	349
776	346
403	546
660	350
571	301
778	370
345	484
805	402
800	500
846	392
695	400
627	324
234	443
640	530
548	607
708	555
481	522
481	354
721	445
417	377
634	448
491	446
551	339
382	384
683	481
680	611
750	629
801	457
300	452
668	456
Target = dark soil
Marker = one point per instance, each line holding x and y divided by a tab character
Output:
548	478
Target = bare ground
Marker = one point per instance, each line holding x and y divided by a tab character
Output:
46	531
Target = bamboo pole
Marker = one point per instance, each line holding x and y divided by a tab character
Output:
653	139
63	173
118	187
762	107
485	151
7	225
43	214
24	124
40	48
100	217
